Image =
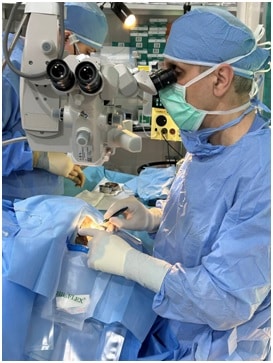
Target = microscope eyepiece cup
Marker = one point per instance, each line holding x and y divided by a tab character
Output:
88	77
163	78
60	75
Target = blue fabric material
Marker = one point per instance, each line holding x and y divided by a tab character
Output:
11	119
37	263
39	215
17	303
112	310
93	175
19	179
87	21
215	231
214	35
50	341
152	183
15	298
22	184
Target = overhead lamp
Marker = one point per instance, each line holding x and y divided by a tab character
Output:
124	14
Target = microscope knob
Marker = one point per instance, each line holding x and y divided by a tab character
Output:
83	137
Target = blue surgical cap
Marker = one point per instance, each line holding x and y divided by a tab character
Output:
210	36
88	22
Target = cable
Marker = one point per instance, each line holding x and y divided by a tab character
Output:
168	150
13	141
14	40
155	164
143	126
5	43
178	153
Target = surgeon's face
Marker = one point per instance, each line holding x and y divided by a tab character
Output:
85	49
199	93
71	49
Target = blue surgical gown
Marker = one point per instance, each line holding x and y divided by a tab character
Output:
215	231
19	179
40	261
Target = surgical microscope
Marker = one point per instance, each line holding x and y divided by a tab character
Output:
68	101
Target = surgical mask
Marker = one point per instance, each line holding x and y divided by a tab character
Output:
186	116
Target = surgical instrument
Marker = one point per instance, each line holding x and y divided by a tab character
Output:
116	214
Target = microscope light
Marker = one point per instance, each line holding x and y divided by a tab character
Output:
124	14
130	21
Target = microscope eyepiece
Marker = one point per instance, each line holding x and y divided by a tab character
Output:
60	75
88	77
163	78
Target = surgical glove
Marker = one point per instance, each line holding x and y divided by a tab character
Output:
110	253
59	164
137	217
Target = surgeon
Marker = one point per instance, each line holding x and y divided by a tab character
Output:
210	269
26	173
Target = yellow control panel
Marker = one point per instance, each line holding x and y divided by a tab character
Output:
163	127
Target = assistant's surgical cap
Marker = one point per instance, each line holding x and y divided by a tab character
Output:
209	36
87	21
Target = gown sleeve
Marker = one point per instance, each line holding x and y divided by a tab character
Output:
17	156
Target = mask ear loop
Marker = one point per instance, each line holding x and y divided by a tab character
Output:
257	81
73	41
202	75
259	32
265	45
254	89
265	70
253	93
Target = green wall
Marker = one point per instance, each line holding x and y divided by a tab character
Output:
267	79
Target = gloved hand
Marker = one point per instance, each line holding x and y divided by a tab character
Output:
110	253
137	217
59	164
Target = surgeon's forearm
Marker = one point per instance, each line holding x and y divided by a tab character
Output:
148	271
